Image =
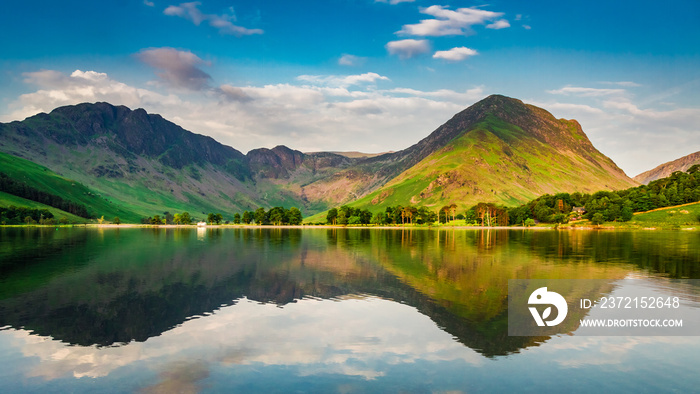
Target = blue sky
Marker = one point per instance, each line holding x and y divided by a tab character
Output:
362	74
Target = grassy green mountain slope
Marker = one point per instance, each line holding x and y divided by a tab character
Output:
498	150
508	153
7	200
46	180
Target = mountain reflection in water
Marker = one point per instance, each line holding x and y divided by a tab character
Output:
328	301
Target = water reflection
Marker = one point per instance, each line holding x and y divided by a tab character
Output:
346	336
350	302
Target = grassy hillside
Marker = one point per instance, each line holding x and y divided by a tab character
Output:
46	180
678	216
7	200
494	162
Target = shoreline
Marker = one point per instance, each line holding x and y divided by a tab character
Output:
384	227
369	227
253	226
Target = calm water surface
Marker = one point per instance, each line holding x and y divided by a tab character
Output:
320	310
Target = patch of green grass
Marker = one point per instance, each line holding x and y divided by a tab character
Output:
671	217
46	180
7	200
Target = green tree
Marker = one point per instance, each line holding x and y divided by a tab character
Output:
396	213
116	220
342	217
260	216
626	213
453	210
597	218
277	216
237	218
185	218
211	218
347	212
295	217
247	217
425	216
388	215
332	216
560	218
529	222
379	218
365	216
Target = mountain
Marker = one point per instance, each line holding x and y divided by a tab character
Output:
498	150
666	169
150	165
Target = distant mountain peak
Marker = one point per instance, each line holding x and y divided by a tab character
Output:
668	168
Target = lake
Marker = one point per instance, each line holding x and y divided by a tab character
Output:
321	310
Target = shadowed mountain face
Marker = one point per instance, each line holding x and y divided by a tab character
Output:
666	169
126	132
498	150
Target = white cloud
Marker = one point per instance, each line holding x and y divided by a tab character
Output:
361	337
314	113
568	108
187	11
148	3
351	60
223	22
394	2
58	89
455	54
586	92
450	23
468	96
342	81
177	68
406	49
626	84
499	24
